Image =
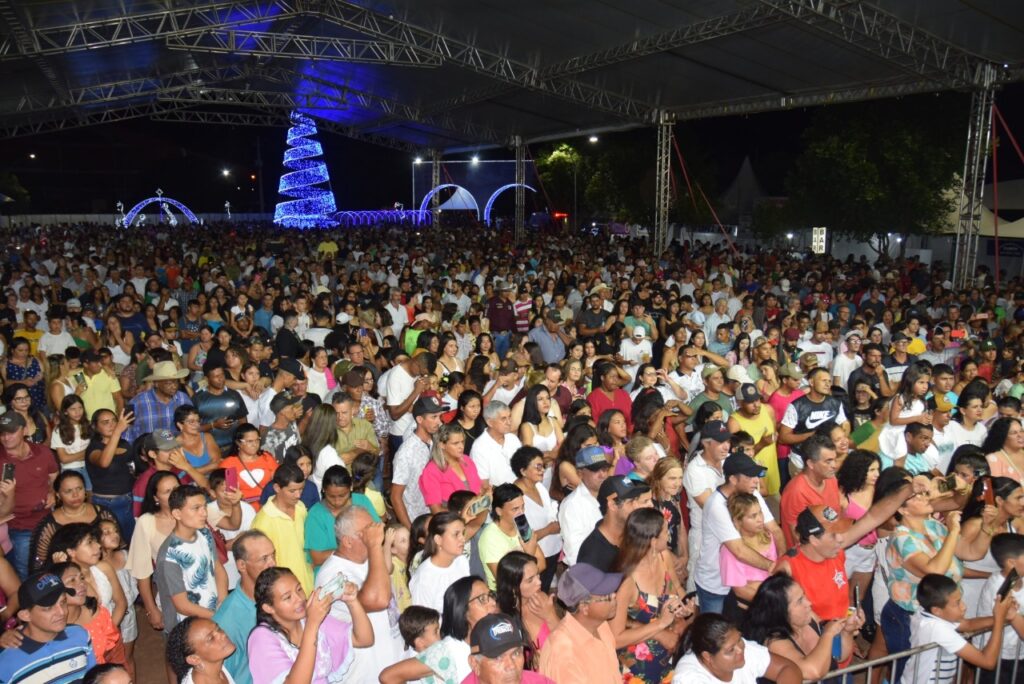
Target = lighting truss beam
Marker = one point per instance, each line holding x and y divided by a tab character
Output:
125	89
102	116
274	118
663	180
251	98
316	48
479	60
21	36
885	35
972	189
177	19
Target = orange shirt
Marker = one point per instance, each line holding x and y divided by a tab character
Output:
824	583
798	495
572	655
252	476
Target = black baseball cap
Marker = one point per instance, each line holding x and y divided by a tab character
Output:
41	589
814	521
749	394
283	400
495	634
715	430
11	422
425	406
623	487
292	366
738	463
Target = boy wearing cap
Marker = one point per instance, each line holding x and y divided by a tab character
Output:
581	650
410	460
634	350
283	432
899	360
742	475
288	371
496	653
51	650
580	511
618	496
847	361
818	563
102	390
758	421
702	476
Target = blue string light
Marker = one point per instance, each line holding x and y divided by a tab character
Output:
313	207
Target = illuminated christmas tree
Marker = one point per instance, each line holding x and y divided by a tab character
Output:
313	204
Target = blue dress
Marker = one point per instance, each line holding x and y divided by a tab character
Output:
16	373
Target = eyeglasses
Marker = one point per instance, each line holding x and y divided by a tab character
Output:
483	599
23	398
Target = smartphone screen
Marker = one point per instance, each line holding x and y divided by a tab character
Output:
987	495
1007	586
8	473
523	525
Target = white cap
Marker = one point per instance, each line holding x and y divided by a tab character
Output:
639	332
343	318
784	284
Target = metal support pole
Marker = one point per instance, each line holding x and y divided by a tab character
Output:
520	229
435	180
663	180
979	129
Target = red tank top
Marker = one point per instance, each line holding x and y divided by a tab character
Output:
824	583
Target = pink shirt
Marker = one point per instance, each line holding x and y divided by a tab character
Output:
438	485
779	404
736	573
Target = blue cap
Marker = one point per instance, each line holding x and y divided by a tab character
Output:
593	457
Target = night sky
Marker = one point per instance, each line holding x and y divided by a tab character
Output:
88	170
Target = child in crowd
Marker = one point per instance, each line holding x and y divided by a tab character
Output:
364	467
79	543
940	621
1008	552
398	561
113	552
420	627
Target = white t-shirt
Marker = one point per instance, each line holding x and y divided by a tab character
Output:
56	344
632	353
960	436
368	662
577	517
327	457
263	413
756	661
493	460
692	384
697	478
503	395
1011	640
926	628
540	516
716	529
844	365
400	386
429	582
823	350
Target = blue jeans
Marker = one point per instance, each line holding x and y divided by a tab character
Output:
21	540
896	630
710	603
502	341
121	506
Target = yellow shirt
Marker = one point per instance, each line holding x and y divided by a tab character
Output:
99	393
289	538
33	339
916	346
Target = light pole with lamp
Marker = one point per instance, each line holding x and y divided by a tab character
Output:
575	173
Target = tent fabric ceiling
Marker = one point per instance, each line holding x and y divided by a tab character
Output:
771	61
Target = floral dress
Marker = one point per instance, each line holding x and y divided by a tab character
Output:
16	373
648	662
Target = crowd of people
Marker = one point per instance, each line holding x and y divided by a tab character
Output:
383	455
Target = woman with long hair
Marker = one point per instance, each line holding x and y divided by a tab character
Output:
117	340
448	361
449	469
320	438
564	479
61	380
443	560
966	426
1004	448
538	428
967	373
86	611
713	650
485	347
196	651
296	638
521	597
541	512
781	618
612	432
254	466
468	415
573	383
152	528
72	506
742	579
980	523
465	603
740	353
112	466
649	616
856	478
668	496
71	436
17	398
200	448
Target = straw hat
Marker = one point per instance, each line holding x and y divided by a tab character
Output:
165	370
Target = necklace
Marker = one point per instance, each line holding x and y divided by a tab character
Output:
81	512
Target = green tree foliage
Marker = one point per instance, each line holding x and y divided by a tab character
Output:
880	167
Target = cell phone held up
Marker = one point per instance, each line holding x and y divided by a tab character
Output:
988	495
8	472
1007	586
231	479
947	484
523	525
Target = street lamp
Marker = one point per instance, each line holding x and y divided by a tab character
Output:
225	173
476	160
789	236
593	139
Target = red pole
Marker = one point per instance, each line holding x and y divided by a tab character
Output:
995	188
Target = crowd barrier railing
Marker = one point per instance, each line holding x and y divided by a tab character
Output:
851	674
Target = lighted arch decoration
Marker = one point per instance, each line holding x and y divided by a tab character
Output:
129	218
490	202
429	195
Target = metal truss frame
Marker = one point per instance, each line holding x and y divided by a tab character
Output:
93	118
885	35
291	46
520	189
972	188
175	20
663	179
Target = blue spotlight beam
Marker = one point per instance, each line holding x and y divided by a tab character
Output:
312	205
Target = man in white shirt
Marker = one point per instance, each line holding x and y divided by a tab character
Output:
742	476
819	345
702	476
687	375
406	381
492	451
635	350
399	314
580	511
410	460
849	361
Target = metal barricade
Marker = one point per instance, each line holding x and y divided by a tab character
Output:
853	673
